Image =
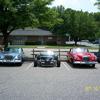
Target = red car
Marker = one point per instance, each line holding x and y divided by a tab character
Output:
81	56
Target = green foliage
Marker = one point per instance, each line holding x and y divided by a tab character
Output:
78	24
97	20
16	14
33	43
98	4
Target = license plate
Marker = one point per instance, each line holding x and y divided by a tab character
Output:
85	59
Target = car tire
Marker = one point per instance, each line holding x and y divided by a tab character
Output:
98	61
35	63
58	63
93	65
19	64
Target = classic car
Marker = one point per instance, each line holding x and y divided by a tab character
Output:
46	58
81	56
12	56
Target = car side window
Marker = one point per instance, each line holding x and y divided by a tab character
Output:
21	50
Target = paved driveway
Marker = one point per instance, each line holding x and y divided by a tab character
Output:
49	83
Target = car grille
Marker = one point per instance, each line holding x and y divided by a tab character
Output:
46	61
85	58
8	57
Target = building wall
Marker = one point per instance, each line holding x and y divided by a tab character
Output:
21	40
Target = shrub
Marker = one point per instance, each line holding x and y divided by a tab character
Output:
33	43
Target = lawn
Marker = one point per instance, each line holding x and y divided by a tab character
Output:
49	46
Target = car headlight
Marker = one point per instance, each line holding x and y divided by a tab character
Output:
1	57
18	57
94	58
76	58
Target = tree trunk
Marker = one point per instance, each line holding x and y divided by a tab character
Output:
75	43
76	40
5	40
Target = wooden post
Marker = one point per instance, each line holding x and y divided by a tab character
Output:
33	54
59	53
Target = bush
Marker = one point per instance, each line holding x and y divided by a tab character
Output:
51	43
33	43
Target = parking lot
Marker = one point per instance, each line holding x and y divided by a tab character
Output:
49	83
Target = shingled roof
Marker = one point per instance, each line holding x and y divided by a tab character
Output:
31	32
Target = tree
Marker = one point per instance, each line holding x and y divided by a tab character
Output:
84	26
97	20
78	24
88	26
16	14
45	15
98	4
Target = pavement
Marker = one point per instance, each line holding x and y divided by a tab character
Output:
49	83
67	82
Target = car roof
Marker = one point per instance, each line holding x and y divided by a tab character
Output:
13	48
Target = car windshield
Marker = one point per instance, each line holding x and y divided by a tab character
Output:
79	50
46	57
47	53
12	50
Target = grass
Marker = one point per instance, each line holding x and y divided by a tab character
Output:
49	46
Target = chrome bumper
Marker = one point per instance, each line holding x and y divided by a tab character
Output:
47	64
87	63
10	61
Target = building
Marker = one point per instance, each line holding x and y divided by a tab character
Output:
34	36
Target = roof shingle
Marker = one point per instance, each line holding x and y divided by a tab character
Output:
30	32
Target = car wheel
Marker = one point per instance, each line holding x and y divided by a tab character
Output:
71	61
93	65
35	63
58	63
98	61
19	64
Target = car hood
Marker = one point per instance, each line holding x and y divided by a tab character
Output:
84	54
11	54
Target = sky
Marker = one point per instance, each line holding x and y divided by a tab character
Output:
84	5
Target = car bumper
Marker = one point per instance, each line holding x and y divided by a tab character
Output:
87	63
10	61
47	64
